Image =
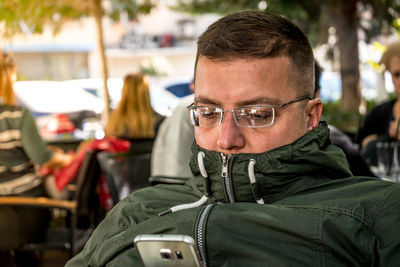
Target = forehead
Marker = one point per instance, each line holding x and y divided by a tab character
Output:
243	81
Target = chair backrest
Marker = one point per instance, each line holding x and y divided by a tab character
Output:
126	172
144	145
88	204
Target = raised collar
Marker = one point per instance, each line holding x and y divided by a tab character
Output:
278	173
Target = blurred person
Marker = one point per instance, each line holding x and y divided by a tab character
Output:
22	151
341	139
383	121
268	187
132	121
134	117
172	146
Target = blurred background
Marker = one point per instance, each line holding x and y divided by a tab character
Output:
72	54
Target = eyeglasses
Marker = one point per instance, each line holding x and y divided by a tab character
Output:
253	116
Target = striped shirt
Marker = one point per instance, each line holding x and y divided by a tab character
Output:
20	147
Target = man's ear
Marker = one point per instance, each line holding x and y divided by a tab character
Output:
313	113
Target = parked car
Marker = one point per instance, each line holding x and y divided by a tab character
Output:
179	86
83	98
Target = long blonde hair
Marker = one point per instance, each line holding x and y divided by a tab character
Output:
133	118
8	69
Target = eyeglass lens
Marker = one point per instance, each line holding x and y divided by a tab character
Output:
246	116
257	116
261	116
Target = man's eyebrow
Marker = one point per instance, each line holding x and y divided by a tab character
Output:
260	101
255	101
205	100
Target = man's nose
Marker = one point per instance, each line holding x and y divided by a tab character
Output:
230	136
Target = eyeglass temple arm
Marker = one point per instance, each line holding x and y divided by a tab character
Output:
294	100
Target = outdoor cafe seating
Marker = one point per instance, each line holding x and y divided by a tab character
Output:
80	214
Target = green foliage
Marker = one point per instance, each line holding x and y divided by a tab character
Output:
221	7
152	71
30	16
313	16
396	25
21	77
345	121
132	7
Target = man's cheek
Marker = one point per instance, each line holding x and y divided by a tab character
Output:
204	138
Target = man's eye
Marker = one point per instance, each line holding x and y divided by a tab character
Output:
256	113
262	114
208	113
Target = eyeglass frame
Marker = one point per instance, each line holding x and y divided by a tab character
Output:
192	107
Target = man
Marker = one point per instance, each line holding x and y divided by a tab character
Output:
172	146
268	188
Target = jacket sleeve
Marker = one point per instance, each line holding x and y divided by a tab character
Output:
32	142
110	236
386	229
111	243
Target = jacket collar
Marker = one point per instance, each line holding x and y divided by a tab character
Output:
278	173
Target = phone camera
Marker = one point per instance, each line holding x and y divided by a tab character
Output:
166	254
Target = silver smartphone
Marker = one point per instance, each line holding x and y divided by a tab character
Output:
157	250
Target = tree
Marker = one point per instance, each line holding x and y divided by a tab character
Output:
19	15
315	17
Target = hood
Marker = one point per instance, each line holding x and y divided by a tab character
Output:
270	176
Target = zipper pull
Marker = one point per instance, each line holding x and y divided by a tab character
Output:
224	165
225	176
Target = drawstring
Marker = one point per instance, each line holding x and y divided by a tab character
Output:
200	161
203	199
252	177
203	172
198	203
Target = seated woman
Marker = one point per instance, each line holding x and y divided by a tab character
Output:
132	125
383	122
134	117
21	151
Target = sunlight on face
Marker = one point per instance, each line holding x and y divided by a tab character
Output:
238	82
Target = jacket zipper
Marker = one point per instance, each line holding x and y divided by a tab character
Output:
200	230
225	176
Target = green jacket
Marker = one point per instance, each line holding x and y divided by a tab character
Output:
297	205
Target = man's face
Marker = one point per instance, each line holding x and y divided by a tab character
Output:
250	82
395	71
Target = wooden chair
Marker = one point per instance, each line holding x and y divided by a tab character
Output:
83	211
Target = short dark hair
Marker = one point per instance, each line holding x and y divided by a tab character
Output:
256	35
318	73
